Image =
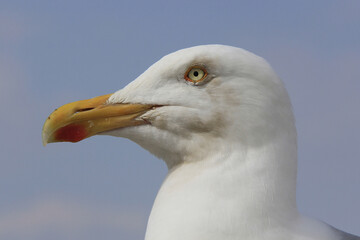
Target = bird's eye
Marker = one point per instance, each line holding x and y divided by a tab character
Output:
195	74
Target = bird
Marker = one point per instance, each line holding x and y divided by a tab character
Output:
222	121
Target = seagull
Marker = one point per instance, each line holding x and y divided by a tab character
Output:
222	121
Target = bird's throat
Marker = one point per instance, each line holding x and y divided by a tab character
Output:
224	195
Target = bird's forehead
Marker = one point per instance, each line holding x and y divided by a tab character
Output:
223	63
206	53
214	57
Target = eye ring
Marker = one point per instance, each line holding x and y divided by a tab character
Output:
195	74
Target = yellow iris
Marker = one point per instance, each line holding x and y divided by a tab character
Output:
195	74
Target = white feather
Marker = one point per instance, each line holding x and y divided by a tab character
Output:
229	143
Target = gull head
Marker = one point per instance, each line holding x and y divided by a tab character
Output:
189	104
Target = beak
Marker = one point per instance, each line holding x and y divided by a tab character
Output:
76	121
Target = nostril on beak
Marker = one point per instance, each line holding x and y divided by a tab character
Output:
83	110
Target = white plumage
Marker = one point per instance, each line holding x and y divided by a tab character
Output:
230	145
229	142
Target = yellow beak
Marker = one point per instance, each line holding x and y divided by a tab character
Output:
76	121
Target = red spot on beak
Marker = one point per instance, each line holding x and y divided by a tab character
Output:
71	133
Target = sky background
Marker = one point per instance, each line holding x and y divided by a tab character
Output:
55	52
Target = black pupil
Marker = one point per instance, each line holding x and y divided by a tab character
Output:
196	73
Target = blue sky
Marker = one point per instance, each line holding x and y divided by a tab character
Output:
54	52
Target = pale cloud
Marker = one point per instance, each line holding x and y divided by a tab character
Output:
68	218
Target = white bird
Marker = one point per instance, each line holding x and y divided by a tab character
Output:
222	121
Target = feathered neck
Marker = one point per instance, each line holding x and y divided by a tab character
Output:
237	191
